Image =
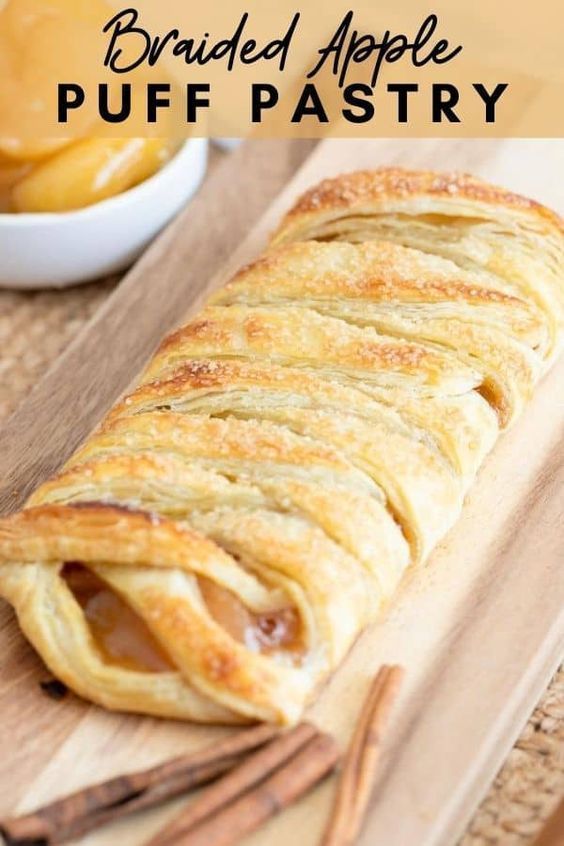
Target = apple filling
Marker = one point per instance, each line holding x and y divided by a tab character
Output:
124	639
266	632
120	634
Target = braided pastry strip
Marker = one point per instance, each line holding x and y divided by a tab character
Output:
254	502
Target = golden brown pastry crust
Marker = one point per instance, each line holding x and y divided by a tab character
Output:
384	184
289	452
506	239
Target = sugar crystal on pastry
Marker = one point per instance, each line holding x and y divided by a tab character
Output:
212	552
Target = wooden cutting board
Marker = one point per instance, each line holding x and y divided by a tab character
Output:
479	630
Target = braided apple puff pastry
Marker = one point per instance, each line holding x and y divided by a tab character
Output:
213	551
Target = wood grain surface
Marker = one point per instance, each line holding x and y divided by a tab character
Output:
479	630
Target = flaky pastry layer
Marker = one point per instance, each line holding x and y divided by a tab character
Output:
289	453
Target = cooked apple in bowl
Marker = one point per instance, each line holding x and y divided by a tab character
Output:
57	175
77	211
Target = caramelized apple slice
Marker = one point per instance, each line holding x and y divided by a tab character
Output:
121	636
123	639
10	174
266	632
90	171
24	150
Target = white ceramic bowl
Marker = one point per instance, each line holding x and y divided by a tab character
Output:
57	249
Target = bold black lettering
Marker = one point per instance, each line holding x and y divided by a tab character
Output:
366	106
194	102
402	89
309	104
259	102
490	99
64	101
154	102
445	98
104	104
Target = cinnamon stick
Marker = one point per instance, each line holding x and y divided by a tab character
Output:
552	833
90	808
361	760
257	789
